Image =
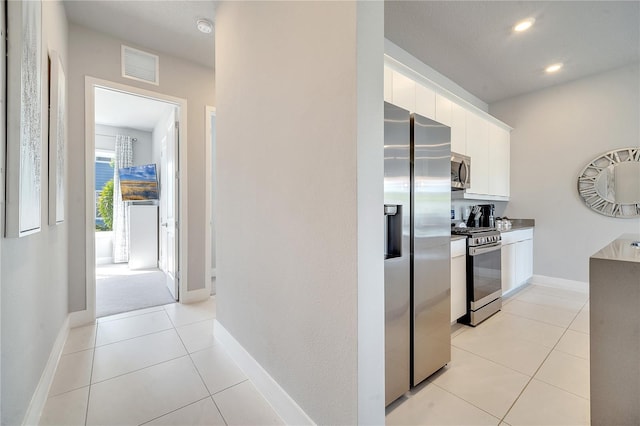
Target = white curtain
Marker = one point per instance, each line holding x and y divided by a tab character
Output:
124	158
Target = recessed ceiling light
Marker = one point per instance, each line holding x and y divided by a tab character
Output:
204	25
553	68
523	25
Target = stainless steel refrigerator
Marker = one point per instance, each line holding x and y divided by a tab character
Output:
417	273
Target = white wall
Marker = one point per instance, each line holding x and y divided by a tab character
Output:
142	147
557	131
98	55
34	268
298	191
213	196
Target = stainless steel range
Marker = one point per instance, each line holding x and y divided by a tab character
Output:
484	271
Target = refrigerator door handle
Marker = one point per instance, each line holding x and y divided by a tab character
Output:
392	231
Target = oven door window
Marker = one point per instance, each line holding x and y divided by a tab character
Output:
486	275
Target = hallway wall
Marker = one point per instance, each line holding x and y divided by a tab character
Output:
34	268
98	55
299	138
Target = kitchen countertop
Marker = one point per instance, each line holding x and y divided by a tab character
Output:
620	249
517	224
517	228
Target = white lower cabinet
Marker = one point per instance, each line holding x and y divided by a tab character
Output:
517	258
458	279
524	260
508	267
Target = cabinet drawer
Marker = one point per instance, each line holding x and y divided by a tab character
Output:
458	248
510	237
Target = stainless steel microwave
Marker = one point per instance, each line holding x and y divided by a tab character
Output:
460	172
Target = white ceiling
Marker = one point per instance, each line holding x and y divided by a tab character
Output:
470	42
124	110
167	26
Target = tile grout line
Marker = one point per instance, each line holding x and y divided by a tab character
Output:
93	357
132	338
468	402
494	362
173	411
198	371
231	386
103	320
135	337
540	321
91	384
219	411
140	369
98	326
540	366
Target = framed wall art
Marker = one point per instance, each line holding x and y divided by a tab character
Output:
57	139
24	118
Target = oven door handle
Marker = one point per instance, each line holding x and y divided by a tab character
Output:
474	251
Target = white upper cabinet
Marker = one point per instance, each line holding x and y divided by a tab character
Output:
499	158
478	150
458	129
425	101
473	132
404	91
443	110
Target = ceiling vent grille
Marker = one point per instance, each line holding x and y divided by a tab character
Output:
139	65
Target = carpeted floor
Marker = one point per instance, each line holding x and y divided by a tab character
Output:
120	290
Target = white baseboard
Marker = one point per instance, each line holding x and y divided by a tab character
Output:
104	260
288	410
195	295
80	318
580	286
515	290
39	398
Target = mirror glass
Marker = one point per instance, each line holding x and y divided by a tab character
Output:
620	183
610	184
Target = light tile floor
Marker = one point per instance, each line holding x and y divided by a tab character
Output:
526	365
159	366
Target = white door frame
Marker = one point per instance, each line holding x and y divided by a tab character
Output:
210	271
91	83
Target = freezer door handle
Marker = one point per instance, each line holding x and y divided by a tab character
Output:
392	231
390	209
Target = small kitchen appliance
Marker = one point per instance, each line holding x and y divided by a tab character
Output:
460	172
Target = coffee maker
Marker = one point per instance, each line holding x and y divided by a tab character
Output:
485	215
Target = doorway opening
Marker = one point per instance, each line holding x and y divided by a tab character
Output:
136	199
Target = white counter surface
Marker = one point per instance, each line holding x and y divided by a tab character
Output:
621	249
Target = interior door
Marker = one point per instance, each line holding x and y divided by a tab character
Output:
169	259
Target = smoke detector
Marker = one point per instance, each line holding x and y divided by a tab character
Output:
204	25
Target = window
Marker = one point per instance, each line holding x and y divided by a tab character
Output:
104	173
